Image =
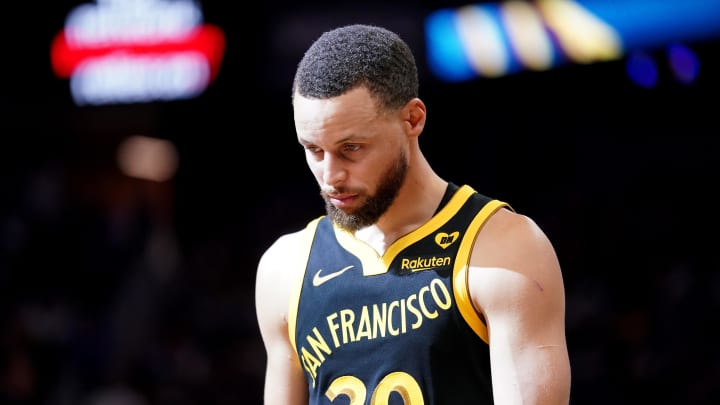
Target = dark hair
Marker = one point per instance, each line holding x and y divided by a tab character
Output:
358	55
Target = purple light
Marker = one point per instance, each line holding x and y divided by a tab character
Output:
642	70
684	63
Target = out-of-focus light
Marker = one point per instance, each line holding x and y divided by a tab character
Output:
684	63
496	39
483	40
119	51
445	52
642	70
147	158
527	35
583	36
500	38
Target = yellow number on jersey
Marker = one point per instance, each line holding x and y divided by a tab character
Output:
399	382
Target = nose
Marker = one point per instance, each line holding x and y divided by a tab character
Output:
334	172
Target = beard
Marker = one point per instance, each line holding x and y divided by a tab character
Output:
375	205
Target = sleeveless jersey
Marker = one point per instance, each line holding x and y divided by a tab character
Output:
396	328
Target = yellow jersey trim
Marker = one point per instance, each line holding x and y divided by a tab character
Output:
460	272
308	235
374	264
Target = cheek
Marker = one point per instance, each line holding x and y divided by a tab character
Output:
315	168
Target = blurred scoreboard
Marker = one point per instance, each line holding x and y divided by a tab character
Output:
496	39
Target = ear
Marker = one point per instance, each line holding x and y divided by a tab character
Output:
414	115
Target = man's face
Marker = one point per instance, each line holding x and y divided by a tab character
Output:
358	156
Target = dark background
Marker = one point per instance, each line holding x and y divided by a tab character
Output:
119	289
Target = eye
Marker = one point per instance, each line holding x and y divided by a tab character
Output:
313	149
351	147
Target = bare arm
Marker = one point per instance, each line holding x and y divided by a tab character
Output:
516	283
284	380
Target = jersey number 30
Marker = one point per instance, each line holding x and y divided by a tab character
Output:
399	382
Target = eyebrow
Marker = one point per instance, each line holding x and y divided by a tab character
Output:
348	139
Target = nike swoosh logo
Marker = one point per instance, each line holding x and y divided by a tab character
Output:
319	279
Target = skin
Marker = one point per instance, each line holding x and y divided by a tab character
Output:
514	277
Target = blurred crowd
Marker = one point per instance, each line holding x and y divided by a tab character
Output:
103	303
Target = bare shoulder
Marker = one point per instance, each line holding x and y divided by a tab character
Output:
283	250
509	238
513	255
278	268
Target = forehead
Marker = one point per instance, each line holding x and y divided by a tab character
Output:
349	112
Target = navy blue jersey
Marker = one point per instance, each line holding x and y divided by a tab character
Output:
396	328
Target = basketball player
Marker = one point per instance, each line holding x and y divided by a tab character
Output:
411	290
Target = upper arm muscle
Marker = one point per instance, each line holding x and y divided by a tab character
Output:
516	283
284	380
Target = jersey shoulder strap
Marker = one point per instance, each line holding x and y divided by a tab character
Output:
298	272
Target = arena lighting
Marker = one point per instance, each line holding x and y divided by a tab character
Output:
147	158
120	51
496	39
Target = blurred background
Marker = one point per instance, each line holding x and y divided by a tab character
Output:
148	157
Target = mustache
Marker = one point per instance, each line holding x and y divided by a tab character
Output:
332	191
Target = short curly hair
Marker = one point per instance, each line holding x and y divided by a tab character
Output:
358	55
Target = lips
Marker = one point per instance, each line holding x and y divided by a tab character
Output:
206	40
343	200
